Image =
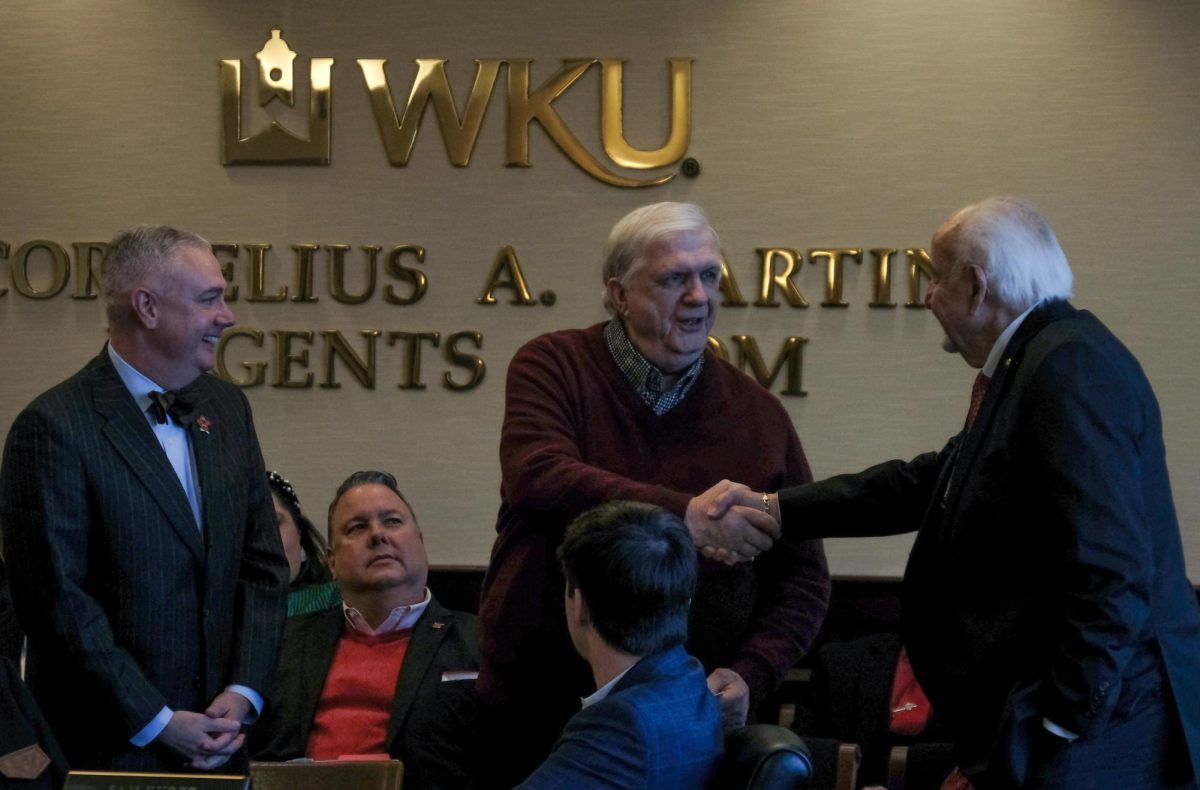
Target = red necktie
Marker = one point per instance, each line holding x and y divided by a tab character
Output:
978	390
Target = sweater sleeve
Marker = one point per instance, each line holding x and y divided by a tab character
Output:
541	461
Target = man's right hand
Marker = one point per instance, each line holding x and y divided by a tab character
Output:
205	743
738	534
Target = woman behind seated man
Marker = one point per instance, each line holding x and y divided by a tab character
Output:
311	586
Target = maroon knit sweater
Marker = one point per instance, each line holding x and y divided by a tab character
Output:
577	435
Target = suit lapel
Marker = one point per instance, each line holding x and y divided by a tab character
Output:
129	432
320	648
1001	381
427	636
205	452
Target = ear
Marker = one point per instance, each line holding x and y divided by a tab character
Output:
145	307
979	287
616	296
577	609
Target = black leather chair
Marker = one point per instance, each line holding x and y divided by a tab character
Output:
764	756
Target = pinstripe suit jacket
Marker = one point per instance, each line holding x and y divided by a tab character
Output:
128	606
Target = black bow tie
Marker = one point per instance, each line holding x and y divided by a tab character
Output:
180	404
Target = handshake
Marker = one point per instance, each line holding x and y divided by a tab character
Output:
732	524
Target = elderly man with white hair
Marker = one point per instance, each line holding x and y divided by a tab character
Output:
1046	608
638	408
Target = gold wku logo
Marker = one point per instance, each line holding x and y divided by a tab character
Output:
277	145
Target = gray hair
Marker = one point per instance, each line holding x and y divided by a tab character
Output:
134	257
641	229
1015	247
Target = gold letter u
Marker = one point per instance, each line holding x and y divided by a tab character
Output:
612	128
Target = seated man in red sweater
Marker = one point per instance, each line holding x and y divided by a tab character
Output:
638	408
390	672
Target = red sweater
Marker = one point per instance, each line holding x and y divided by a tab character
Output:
577	435
356	701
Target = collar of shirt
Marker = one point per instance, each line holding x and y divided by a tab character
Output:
993	358
606	689
402	618
139	385
645	377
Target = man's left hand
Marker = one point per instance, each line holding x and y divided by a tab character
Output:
229	705
733	695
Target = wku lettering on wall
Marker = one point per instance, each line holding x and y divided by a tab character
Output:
398	124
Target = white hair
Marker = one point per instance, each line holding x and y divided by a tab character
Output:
633	236
1015	247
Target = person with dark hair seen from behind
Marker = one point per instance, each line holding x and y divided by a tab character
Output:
1047	612
310	586
639	408
630	571
150	581
390	672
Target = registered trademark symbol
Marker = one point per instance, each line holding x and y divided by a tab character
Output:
690	167
548	297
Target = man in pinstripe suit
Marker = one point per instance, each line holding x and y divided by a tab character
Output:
146	564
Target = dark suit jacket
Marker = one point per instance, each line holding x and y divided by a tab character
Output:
1047	577
127	605
432	728
11	636
659	727
848	697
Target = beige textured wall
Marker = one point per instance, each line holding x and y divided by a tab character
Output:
817	123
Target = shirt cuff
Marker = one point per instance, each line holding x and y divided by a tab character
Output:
1059	731
253	696
152	730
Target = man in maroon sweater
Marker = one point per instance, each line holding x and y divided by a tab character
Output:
638	408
